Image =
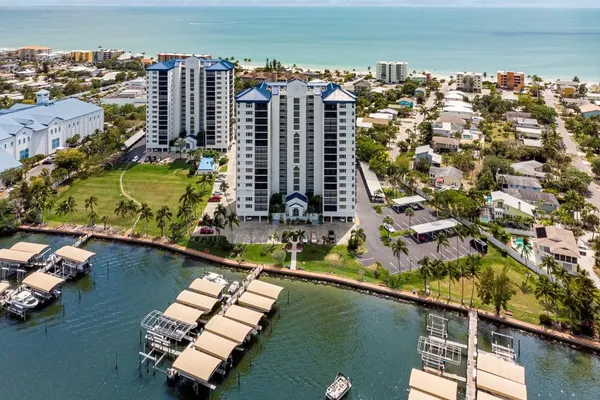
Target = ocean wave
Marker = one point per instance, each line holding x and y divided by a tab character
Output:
213	23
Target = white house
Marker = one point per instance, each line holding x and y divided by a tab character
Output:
559	244
504	204
27	130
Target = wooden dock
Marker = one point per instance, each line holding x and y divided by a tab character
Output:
471	388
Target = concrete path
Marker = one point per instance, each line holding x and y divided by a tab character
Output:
294	251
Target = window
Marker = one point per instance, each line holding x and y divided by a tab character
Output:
24	154
55	143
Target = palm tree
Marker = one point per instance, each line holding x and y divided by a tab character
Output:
184	213
441	240
203	180
145	213
525	248
439	267
61	210
300	234
231	220
569	297
104	221
220	210
389	221
132	210
549	264
357	236
472	231
425	272
190	196
409	212
90	202
162	216
399	247
544	289
223	187
473	268
72	207
121	210
462	272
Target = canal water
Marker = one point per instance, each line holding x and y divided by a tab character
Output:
85	345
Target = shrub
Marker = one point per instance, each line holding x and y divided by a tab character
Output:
545	320
279	256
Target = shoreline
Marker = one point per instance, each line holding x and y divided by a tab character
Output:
373	289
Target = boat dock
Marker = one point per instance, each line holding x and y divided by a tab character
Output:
471	355
44	284
200	352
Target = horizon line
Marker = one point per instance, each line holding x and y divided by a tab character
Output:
116	5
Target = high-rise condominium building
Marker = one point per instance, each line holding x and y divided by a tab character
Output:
191	97
510	80
296	139
469	81
391	72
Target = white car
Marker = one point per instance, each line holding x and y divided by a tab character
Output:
217	193
389	228
136	159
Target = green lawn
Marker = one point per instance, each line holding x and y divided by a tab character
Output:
223	168
156	185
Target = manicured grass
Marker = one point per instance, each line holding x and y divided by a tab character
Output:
156	185
498	134
223	168
523	304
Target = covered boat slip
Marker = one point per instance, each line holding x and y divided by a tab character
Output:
185	314
215	345
15	257
244	316
415	394
74	254
4	286
256	302
40	250
264	289
486	396
42	283
207	288
196	366
495	365
502	387
435	386
196	300
228	329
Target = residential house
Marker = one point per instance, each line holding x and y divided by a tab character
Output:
360	123
380	115
445	177
526	123
503	204
446	129
519	182
420	92
455	95
362	86
559	244
390	111
531	168
511	116
458	121
406	102
567	88
458	110
427	153
590	110
469	81
420	78
445	144
377	121
546	202
510	80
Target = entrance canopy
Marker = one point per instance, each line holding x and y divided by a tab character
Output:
435	226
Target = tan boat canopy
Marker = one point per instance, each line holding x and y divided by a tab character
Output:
264	289
183	313
260	303
21	257
207	288
27	247
4	286
196	364
42	282
228	329
196	300
75	254
215	345
486	396
497	366
436	386
502	387
244	315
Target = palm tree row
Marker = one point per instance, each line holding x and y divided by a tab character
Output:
453	270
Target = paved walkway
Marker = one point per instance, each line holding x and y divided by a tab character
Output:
471	356
294	252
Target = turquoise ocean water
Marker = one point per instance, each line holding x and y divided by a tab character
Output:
552	43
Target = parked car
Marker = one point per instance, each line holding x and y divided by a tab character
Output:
479	245
148	159
389	228
214	199
313	238
47	161
206	231
342	219
331	235
217	193
136	159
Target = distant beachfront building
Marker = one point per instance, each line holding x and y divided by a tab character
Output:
85	56
101	55
31	53
296	139
195	97
510	80
469	81
42	128
162	57
391	72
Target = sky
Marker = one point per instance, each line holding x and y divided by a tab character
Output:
371	3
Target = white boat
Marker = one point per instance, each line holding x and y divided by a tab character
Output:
235	285
216	278
24	299
339	388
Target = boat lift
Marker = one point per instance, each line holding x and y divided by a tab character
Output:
436	350
503	346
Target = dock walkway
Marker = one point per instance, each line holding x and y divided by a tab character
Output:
471	388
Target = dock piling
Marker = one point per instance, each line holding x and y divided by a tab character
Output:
288	297
238	377
79	295
107	270
46	326
140	365
116	361
519	349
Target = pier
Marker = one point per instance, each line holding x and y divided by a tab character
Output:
471	388
202	337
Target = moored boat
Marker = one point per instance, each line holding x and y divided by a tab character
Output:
339	388
24	298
